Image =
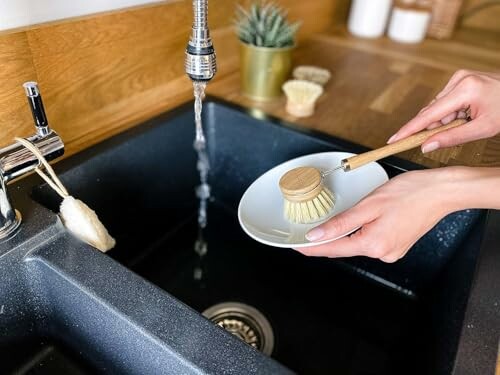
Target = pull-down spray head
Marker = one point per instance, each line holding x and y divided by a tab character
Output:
200	61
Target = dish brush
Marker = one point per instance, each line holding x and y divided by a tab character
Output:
76	216
306	198
301	97
312	73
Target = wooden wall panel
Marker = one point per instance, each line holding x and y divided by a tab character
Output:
102	74
487	18
16	67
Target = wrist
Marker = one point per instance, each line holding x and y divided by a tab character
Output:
467	188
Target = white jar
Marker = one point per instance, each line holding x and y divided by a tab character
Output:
409	25
368	18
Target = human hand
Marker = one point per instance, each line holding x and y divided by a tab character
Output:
468	93
392	218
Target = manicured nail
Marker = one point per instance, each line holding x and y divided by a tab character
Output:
315	234
392	139
433	146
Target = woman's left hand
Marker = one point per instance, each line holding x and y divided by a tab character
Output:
392	218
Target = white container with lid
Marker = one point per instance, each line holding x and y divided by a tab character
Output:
409	25
368	18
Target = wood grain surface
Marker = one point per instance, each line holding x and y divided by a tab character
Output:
105	73
378	85
485	17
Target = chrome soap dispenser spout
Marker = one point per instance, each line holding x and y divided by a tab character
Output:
200	62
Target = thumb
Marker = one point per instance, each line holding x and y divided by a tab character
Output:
341	224
456	136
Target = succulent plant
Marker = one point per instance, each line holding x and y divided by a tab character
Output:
265	25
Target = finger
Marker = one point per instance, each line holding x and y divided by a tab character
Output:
343	247
343	223
452	83
449	118
368	241
394	256
450	103
428	105
456	136
454	80
435	125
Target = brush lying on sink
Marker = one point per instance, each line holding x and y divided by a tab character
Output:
76	216
307	199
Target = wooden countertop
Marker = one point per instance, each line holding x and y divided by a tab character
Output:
378	85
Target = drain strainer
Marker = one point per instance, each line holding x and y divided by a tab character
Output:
245	322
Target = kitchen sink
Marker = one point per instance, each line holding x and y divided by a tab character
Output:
30	340
349	316
66	308
41	355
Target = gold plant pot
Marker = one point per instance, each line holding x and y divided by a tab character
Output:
264	70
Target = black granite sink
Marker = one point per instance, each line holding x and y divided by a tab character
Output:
66	308
352	316
28	342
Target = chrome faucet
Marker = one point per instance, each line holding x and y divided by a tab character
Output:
16	160
200	60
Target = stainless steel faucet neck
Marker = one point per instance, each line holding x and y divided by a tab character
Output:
16	160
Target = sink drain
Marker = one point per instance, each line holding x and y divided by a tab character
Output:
245	322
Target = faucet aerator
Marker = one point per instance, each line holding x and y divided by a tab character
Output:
200	61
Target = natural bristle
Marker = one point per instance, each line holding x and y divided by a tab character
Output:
310	211
312	73
301	97
301	91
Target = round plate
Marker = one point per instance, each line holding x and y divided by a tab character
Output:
260	211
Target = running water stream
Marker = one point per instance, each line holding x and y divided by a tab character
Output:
203	166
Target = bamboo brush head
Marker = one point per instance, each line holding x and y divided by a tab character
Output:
306	198
301	97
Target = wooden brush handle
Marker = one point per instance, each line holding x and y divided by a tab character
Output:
394	148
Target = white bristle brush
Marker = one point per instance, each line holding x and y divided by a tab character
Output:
301	97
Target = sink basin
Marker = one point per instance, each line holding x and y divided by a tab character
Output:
354	316
57	317
28	344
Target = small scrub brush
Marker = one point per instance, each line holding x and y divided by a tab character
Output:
76	216
312	74
307	200
301	97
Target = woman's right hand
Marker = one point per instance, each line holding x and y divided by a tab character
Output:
468	93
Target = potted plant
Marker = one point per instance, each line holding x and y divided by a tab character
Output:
267	40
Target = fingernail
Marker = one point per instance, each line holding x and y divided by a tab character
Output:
315	234
433	146
392	139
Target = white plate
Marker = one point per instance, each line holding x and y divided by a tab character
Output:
260	211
